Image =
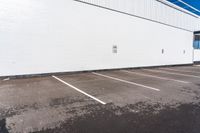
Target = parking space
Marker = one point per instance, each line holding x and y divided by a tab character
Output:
109	90
37	102
48	103
175	75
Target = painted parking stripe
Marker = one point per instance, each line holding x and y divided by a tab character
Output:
160	71
128	82
75	88
196	66
178	70
148	75
192	67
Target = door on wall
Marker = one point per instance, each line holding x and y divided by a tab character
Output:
196	46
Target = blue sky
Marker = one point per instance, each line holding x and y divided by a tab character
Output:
193	3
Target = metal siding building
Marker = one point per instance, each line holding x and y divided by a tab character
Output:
49	36
154	10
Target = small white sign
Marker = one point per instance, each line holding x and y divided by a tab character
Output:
114	49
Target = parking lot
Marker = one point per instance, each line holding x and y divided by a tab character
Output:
146	100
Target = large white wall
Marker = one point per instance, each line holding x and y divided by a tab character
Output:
44	36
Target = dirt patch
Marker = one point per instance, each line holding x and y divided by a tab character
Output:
137	118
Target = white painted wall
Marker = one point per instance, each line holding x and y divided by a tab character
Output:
44	36
197	55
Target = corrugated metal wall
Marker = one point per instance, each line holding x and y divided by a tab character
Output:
151	9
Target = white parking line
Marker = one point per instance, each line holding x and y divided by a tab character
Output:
128	82
148	75
178	70
79	90
197	67
160	71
